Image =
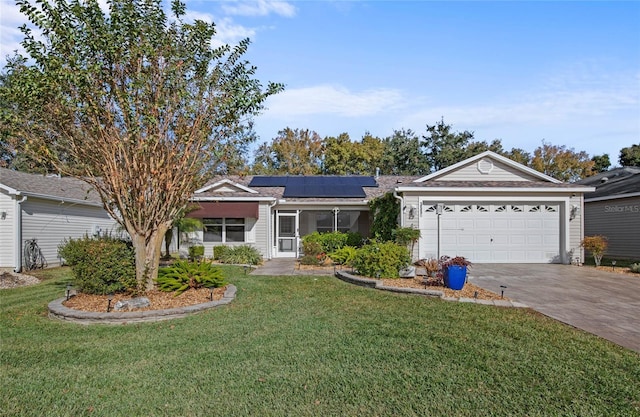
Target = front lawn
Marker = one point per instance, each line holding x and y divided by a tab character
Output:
309	346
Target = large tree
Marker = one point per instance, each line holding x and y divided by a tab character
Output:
343	157
293	152
630	156
132	102
445	147
403	155
562	163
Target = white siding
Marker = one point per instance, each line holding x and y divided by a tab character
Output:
576	228
50	222
486	169
7	232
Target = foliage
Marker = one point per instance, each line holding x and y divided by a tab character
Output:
601	163
196	252
405	235
444	147
183	275
292	152
630	156
239	255
446	261
184	225
403	155
100	265
219	251
431	265
344	255
562	163
385	211
132	102
635	268
313	253
597	245
381	259
331	241
343	157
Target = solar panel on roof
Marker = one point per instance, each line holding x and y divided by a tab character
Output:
317	186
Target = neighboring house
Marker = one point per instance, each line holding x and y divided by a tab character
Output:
49	209
487	208
613	210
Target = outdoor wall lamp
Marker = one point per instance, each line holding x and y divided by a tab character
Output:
575	210
3	214
109	300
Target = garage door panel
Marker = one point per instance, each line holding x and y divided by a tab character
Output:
526	233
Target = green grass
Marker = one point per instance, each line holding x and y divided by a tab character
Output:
620	263
309	346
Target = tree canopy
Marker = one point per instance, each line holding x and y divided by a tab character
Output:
630	156
132	102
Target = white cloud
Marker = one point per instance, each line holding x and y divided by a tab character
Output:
10	35
259	8
334	100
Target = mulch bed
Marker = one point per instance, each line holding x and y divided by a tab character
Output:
468	291
159	300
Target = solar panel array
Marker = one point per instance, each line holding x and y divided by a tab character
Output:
317	186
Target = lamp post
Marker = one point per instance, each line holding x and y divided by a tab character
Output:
68	292
109	299
613	265
502	288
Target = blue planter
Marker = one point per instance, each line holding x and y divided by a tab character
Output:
455	277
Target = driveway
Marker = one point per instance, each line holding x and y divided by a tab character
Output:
606	304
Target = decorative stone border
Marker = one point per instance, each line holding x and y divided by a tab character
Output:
58	311
378	285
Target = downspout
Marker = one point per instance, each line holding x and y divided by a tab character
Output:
395	194
270	237
18	234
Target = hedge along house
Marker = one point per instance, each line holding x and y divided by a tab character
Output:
487	208
49	209
613	210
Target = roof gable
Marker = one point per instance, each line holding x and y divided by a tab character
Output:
488	166
226	186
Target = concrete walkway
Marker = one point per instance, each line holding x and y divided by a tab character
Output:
606	304
287	266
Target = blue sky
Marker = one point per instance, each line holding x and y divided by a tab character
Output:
523	72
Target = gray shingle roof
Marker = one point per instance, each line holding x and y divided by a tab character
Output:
616	182
59	188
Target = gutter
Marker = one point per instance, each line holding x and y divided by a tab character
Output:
18	235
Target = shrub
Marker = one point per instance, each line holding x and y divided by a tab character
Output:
597	245
183	275
219	252
635	268
196	252
344	255
313	252
100	265
332	241
243	254
382	260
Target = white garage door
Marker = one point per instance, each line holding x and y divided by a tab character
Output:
488	233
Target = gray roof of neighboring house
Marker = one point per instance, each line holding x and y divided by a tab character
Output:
54	187
616	182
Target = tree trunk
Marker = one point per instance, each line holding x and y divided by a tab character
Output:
147	253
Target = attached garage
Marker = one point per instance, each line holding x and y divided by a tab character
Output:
487	232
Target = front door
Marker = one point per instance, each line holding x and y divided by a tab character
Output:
287	235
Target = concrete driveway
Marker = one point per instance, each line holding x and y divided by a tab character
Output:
606	304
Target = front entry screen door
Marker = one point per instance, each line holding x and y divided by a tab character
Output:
287	236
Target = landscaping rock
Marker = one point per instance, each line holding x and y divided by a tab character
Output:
408	272
132	304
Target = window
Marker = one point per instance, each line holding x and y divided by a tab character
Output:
324	221
225	230
482	209
500	209
534	209
430	209
550	209
465	209
516	209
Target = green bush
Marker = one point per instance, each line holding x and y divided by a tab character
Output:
313	252
635	268
182	275
219	252
196	252
332	241
382	260
100	265
344	255
243	254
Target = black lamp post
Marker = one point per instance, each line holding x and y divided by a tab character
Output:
502	288
211	293
109	299
68	292
613	265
